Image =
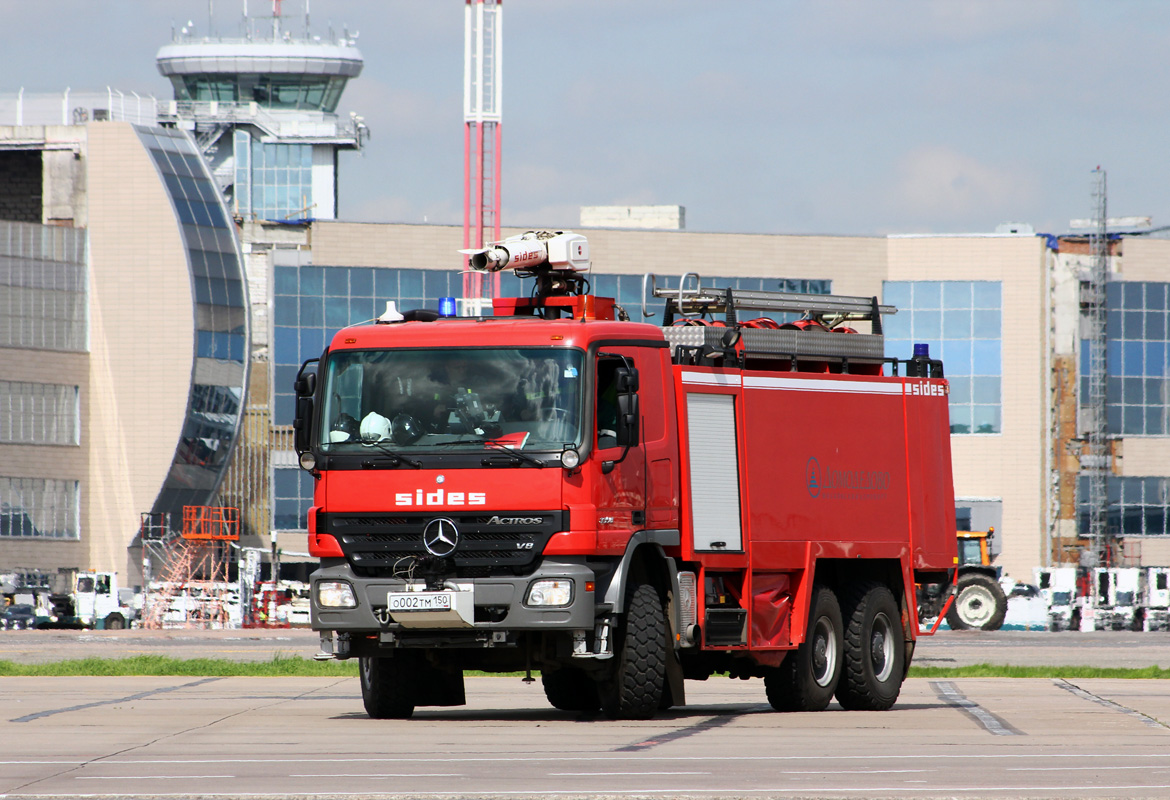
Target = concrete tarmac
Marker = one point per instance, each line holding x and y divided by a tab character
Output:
299	737
295	737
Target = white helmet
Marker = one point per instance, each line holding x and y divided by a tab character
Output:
375	427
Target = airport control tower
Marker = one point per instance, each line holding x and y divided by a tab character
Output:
262	110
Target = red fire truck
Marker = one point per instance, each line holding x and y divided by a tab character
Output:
623	506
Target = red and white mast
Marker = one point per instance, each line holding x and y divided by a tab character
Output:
482	57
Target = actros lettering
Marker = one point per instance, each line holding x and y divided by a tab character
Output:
514	521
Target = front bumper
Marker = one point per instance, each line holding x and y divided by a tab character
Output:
498	601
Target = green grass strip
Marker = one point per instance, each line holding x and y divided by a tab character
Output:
279	667
282	666
1006	671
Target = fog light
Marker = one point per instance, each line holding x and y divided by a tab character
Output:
556	592
335	594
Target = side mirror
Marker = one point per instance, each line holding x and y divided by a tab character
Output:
627	380
305	387
627	421
302	425
306	384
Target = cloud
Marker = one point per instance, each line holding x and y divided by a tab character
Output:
938	185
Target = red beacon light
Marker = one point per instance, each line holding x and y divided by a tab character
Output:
559	260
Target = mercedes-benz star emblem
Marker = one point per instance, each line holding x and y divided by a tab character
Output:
440	537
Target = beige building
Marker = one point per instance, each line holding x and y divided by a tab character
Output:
123	341
990	305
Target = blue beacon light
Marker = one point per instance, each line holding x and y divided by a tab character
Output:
446	306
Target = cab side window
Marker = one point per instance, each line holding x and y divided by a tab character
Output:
607	405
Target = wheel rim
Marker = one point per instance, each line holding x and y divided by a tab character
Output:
824	652
975	606
881	648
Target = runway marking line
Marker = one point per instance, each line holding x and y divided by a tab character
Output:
1084	694
567	758
384	775
669	792
949	693
127	699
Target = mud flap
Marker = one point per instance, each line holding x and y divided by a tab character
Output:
438	686
674	674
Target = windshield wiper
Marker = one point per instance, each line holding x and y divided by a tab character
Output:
395	458
516	454
512	452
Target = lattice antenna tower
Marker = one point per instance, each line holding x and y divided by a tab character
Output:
482	92
1095	314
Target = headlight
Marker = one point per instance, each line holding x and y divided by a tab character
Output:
570	459
335	594
555	592
308	461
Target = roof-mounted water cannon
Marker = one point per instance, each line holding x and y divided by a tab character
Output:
532	252
559	260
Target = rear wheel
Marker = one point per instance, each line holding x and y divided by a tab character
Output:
386	686
635	687
808	677
570	689
980	604
875	650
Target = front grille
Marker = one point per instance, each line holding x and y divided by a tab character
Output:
379	545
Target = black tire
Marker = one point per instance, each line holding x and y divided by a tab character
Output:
635	687
808	676
980	604
386	686
570	689
115	622
875	649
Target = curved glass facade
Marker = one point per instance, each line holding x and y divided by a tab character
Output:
220	368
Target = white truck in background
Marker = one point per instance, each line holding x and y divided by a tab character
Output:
1157	599
1128	598
1121	601
92	600
1058	587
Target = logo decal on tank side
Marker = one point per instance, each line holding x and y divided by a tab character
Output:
833	482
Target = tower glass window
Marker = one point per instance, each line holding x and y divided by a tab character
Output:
962	323
1137	359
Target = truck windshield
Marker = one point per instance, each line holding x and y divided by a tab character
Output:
452	399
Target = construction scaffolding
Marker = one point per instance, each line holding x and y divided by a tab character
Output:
1097	461
192	588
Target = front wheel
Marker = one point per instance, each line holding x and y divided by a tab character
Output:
980	604
386	686
115	622
875	650
635	688
807	678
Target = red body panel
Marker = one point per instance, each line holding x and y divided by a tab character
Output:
829	466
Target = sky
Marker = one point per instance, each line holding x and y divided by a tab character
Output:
845	117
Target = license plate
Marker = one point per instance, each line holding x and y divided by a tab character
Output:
420	601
